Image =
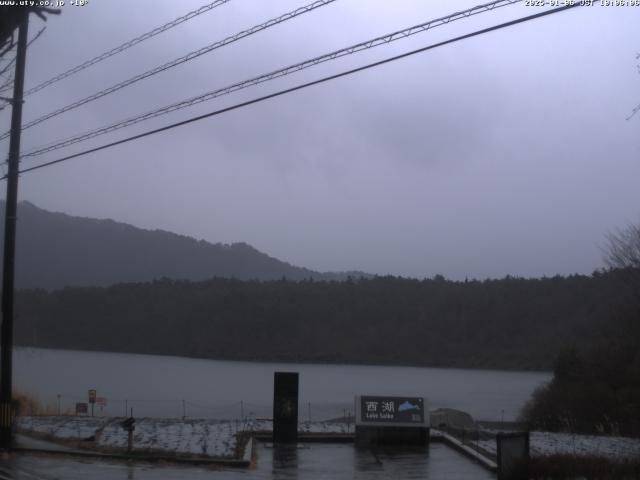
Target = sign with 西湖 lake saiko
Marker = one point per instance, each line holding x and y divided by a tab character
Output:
391	411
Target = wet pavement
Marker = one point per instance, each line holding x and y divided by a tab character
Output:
314	461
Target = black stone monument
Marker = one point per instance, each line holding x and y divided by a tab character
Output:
285	407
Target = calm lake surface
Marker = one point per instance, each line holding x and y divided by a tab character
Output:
173	386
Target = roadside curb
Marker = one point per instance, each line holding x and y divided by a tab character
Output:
438	435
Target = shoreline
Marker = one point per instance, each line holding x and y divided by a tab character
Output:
288	362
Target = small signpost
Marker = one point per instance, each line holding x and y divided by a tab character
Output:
92	398
391	420
82	408
129	425
101	402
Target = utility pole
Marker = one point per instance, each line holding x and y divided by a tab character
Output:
8	268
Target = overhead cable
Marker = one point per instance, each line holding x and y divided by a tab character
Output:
302	86
382	40
178	61
126	45
9	85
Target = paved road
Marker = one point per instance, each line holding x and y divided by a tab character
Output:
317	461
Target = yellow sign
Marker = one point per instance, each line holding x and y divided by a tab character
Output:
92	396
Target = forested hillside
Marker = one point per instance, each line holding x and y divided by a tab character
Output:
509	323
55	250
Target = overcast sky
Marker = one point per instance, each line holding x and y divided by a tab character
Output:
507	153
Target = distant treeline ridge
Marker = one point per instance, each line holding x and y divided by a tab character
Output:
511	323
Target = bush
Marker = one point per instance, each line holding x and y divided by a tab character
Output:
597	389
581	407
24	404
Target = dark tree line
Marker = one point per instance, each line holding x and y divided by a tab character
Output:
510	323
596	385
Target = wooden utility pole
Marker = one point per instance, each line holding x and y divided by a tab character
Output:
8	270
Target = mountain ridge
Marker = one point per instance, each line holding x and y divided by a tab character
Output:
55	250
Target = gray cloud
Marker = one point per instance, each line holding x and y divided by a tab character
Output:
504	154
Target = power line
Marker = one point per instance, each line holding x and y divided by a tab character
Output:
302	86
5	69
126	45
382	40
9	84
178	61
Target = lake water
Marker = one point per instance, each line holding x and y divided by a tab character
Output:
174	386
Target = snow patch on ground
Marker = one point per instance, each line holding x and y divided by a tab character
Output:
217	438
211	438
549	443
196	437
303	427
66	428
